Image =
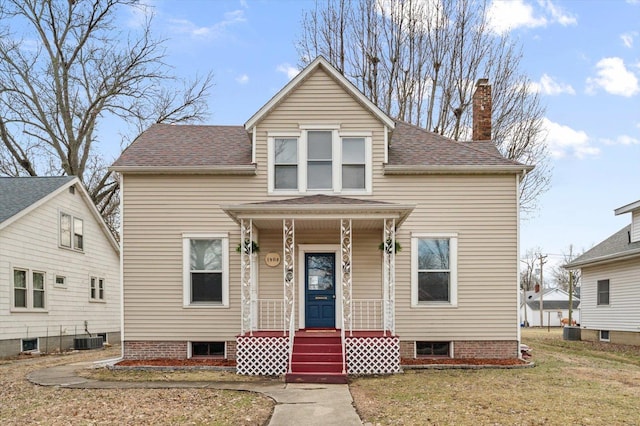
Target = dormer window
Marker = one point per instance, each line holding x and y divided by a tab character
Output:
319	159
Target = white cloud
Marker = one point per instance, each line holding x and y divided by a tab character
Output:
287	69
564	141
184	26
628	37
508	15
614	78
557	14
242	79
622	140
548	86
505	15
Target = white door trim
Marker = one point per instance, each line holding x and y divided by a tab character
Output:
318	248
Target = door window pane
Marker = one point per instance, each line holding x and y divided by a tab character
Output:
320	274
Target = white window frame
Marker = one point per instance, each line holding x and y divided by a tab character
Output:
29	290
72	234
453	267
336	162
98	280
186	269
63	284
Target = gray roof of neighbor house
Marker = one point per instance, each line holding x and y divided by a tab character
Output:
16	194
173	147
615	247
553	305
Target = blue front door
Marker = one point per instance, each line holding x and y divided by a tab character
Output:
320	290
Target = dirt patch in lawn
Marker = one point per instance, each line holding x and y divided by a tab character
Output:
166	362
462	361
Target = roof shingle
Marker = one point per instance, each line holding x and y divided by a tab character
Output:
18	193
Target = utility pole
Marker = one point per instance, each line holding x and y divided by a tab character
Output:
570	287
543	260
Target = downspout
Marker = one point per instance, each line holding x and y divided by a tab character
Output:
518	181
121	265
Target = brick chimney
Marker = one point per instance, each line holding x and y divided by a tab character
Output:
482	111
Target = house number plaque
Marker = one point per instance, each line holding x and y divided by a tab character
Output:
272	259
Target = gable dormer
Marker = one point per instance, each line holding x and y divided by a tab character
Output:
634	209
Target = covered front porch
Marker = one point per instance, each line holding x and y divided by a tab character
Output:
326	266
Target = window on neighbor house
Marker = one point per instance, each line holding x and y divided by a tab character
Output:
604	335
29	289
206	271
319	160
29	345
208	349
434	271
603	292
61	281
71	232
429	349
96	289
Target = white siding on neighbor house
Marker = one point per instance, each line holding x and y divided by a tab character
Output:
635	226
551	318
31	242
623	311
481	209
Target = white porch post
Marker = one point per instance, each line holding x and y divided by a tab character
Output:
389	261
288	270
345	272
246	284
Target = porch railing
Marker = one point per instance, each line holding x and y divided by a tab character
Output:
368	314
271	315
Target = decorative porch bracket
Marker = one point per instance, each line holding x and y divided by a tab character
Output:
346	260
246	285
389	261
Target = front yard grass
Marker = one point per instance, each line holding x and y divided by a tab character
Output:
573	383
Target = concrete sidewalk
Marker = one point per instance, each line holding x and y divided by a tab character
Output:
296	403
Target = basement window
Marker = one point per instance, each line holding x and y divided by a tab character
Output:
604	335
207	349
29	345
432	349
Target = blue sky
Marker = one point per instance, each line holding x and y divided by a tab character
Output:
583	55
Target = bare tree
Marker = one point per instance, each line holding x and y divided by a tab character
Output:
529	276
419	60
65	67
561	275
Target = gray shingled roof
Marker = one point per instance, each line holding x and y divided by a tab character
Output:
16	194
320	199
165	145
553	305
414	146
168	145
615	246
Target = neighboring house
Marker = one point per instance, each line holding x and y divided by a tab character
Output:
326	185
59	267
610	289
555	306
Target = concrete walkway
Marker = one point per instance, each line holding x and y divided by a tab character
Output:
296	403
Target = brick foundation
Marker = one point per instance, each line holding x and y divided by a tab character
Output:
471	349
172	350
154	349
486	349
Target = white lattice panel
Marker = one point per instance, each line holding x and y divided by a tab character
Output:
263	356
372	355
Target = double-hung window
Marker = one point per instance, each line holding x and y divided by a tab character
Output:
319	159
96	289
71	232
603	292
206	263
434	269
29	289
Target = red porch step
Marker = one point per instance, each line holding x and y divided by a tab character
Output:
316	358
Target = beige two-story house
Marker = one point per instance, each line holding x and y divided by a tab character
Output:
321	238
